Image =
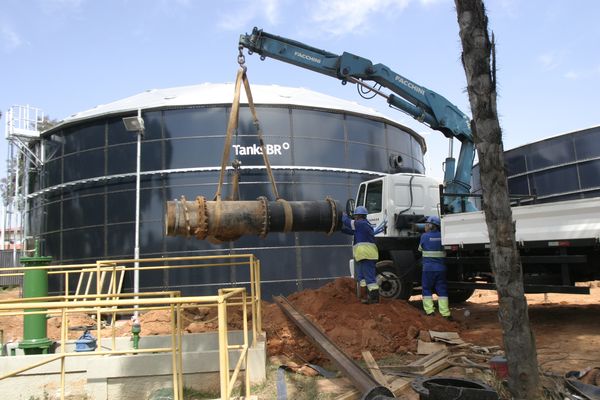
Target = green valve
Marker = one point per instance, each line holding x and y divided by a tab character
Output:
136	329
35	284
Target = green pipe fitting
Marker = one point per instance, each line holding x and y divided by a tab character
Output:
35	284
136	328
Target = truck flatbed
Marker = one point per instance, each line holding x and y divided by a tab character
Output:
557	224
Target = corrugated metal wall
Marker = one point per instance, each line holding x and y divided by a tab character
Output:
7	259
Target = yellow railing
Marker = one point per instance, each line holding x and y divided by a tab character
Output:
113	302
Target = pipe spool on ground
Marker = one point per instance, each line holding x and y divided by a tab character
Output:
226	220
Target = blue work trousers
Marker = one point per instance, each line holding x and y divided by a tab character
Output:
365	271
434	281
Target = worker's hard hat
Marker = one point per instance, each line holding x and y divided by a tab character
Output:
433	220
360	210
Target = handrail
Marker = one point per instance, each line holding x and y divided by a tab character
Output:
118	303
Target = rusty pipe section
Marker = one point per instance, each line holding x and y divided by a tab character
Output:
224	220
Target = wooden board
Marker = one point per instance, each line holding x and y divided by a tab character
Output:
421	365
429	347
446	337
374	368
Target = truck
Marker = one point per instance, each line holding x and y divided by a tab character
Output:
558	242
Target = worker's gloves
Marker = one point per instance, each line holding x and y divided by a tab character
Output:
381	227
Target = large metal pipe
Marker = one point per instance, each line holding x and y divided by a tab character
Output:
224	220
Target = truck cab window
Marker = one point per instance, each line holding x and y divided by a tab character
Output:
374	196
360	199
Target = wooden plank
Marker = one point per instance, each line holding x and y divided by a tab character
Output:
352	395
374	368
421	365
436	367
335	385
398	385
429	347
446	337
431	358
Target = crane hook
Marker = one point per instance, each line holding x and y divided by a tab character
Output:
241	58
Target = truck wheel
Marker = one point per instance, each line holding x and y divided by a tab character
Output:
457	296
390	284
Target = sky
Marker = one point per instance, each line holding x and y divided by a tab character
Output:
66	56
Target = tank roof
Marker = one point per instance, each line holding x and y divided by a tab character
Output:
206	94
222	93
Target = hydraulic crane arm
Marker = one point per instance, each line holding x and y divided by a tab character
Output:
421	103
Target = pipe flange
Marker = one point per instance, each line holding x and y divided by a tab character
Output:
186	216
333	208
201	230
172	230
264	205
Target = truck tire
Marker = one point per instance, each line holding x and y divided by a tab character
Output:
457	296
391	284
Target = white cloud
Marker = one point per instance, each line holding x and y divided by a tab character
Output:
587	73
250	11
550	60
572	75
339	17
9	39
271	9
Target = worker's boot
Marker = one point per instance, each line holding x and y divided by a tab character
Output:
362	293
373	297
428	305
444	307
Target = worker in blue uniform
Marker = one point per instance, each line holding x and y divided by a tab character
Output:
365	253
434	269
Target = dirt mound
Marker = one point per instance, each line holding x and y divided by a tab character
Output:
389	327
194	320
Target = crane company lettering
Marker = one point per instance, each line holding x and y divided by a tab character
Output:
307	57
410	85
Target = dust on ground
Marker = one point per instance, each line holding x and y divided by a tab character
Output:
566	326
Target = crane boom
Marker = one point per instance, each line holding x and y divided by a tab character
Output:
421	103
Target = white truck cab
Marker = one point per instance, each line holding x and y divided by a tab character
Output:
399	199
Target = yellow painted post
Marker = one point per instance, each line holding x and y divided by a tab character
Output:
258	297
63	343
113	283
179	352
98	315
223	346
173	354
67	283
246	372
89	282
253	297
79	282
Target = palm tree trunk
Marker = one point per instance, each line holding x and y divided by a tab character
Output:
478	59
